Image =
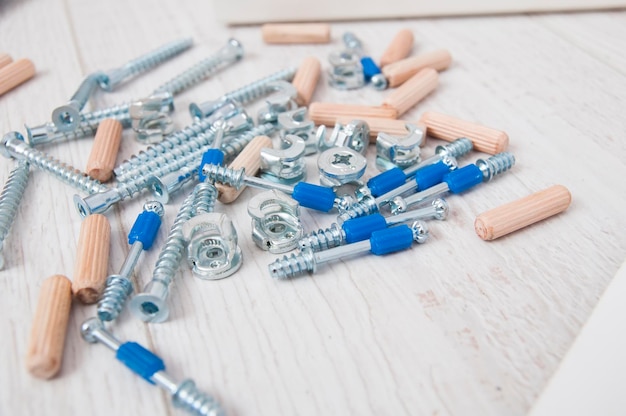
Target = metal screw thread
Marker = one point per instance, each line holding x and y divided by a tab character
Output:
165	146
146	62
259	88
43	161
293	265
323	239
174	248
365	207
188	398
495	165
225	56
204	197
459	147
10	199
236	145
227	176
116	292
119	112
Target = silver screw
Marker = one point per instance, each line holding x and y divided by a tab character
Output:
337	235
242	95
119	286
308	260
13	145
10	200
488	169
151	304
185	395
143	63
67	116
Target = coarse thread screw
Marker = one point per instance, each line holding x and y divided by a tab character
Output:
243	95
151	304
143	63
307	260
13	145
204	197
119	286
10	200
323	239
232	52
456	149
495	165
185	395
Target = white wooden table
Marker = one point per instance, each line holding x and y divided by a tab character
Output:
455	326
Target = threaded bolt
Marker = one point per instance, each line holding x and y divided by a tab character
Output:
10	200
13	145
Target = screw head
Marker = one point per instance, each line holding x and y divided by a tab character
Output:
420	232
154	206
13	135
379	82
441	208
89	328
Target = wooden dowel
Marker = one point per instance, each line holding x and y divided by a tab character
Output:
412	91
400	71
47	336
5	59
399	48
385	125
485	139
104	150
518	214
296	33
250	159
306	79
15	73
328	113
92	258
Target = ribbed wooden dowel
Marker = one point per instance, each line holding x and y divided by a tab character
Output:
485	139
5	59
328	113
400	71
47	336
399	48
15	73
296	33
518	214
413	91
250	159
306	79
104	150
92	258
385	125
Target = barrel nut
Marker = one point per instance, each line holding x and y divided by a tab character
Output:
340	165
285	164
402	152
354	135
276	223
150	119
297	123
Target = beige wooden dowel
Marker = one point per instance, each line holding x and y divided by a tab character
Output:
15	73
92	258
399	48
485	139
412	91
385	125
5	59
250	159
328	113
400	71
47	336
295	33
104	150
518	214
306	79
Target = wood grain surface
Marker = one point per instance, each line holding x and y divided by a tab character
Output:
456	326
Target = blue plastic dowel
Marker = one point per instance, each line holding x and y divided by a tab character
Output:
320	198
369	67
431	175
145	229
361	228
386	181
211	156
140	360
464	178
391	239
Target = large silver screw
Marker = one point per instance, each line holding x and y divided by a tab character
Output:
243	95
185	395
10	200
119	286
308	260
151	304
68	117
13	145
